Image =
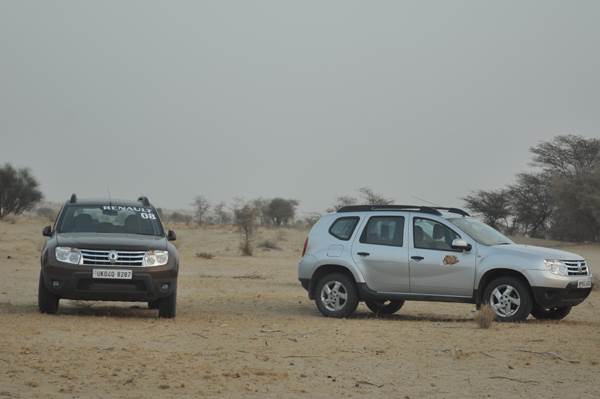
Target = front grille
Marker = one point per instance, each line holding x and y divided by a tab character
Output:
576	267
123	258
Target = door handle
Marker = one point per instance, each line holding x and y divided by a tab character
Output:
417	258
363	253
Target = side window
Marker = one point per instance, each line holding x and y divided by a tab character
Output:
429	234
343	228
384	230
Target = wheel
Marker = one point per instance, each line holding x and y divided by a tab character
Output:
47	301
384	307
336	295
510	298
167	306
153	304
555	313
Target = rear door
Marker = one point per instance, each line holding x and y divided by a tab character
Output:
436	268
381	253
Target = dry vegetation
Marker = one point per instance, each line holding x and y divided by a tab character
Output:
485	317
245	328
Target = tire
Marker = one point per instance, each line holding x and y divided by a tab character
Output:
555	313
336	295
153	305
384	307
167	306
47	301
510	298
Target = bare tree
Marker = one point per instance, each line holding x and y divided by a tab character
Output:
201	207
18	191
245	219
494	206
372	198
367	197
222	216
531	203
342	201
568	156
261	205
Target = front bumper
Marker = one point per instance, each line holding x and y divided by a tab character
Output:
556	297
75	282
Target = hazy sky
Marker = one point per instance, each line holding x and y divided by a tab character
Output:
304	99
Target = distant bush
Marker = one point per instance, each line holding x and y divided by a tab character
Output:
177	217
18	191
46	212
281	211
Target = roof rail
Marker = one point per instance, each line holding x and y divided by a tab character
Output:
73	199
364	208
144	201
434	210
454	210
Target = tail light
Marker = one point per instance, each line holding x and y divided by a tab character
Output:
305	246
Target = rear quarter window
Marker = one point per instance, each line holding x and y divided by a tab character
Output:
343	228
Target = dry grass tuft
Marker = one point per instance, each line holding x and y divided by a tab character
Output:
269	245
204	255
249	276
9	219
485	317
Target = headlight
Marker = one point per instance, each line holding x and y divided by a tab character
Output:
556	267
156	258
67	255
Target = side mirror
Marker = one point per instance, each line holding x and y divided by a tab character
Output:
47	231
461	244
171	236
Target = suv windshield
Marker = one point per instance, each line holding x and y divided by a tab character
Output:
109	219
480	232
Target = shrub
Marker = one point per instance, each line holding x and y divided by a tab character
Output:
269	244
485	317
18	191
245	219
204	255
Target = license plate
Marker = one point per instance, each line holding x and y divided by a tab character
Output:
584	283
112	274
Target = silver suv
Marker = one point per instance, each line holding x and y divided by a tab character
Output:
385	255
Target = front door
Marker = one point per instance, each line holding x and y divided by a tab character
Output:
436	268
381	253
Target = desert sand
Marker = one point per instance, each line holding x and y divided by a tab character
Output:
245	328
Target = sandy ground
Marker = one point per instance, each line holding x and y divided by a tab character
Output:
245	328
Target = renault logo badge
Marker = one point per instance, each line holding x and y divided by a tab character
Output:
113	256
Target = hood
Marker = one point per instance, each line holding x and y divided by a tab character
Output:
124	242
541	252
